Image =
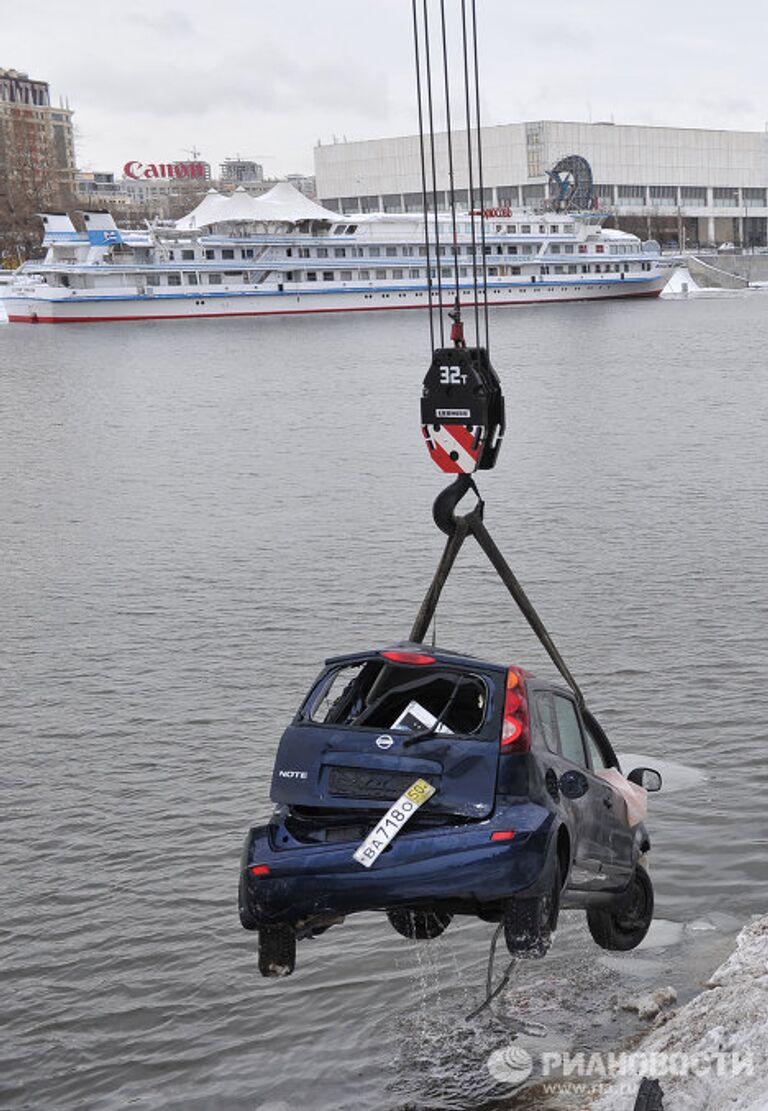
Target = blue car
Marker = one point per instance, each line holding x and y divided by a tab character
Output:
426	784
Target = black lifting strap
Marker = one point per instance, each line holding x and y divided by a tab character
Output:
458	529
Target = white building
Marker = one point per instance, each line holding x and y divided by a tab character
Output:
685	185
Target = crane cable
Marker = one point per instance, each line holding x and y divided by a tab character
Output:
428	158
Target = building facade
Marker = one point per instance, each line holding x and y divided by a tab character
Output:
37	150
688	187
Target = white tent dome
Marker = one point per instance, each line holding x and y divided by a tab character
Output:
199	217
282	204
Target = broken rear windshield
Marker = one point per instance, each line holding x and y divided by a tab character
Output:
379	695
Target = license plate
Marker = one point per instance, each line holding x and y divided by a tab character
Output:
393	821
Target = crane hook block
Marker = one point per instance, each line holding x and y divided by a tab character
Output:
462	410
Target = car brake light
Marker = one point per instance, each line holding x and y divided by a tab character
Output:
259	870
515	736
503	835
408	657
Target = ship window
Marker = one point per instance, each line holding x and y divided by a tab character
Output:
365	275
311	275
542	229
559	269
227	252
327	275
380	274
174	279
303	252
191	279
568	248
351	229
555	229
514	269
407	251
512	250
340	252
374	252
397	273
555	248
322	252
568	229
214	279
391	252
247	252
187	255
525	229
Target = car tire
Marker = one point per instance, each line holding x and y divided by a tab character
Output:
277	951
622	924
530	923
419	925
247	919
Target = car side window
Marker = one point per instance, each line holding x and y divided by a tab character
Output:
571	741
545	717
595	751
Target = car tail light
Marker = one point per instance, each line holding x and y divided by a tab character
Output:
260	870
503	835
408	657
515	734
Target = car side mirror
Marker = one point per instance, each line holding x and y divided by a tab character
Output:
646	777
574	784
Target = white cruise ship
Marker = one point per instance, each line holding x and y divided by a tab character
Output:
282	253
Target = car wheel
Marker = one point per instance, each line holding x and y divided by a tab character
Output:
529	924
247	919
622	924
277	950
419	925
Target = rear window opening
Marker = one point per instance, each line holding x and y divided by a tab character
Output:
375	694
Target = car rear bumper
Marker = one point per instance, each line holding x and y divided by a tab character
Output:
457	865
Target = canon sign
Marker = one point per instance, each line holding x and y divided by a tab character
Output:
138	170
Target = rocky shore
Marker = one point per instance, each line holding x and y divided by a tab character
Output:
712	1053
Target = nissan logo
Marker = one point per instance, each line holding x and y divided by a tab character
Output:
384	741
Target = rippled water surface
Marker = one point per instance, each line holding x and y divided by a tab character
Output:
193	516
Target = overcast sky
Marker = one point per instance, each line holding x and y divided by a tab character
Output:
152	79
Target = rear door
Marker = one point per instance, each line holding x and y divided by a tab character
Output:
590	815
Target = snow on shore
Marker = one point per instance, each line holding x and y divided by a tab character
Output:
727	1025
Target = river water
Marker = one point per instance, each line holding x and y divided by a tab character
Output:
194	515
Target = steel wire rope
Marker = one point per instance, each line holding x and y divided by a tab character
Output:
470	170
480	176
449	142
430	113
422	156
